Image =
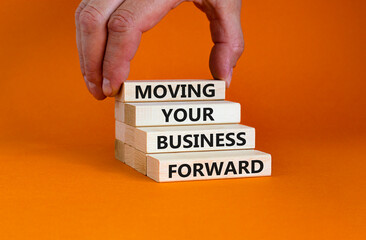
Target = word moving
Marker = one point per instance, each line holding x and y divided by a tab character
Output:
180	90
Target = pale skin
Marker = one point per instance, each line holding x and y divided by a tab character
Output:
108	33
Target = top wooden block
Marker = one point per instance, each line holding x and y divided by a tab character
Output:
171	90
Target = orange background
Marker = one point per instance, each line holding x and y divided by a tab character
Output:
301	83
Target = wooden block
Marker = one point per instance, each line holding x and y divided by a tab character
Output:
187	138
130	156
119	111
119	150
168	167
140	161
185	166
177	113
171	90
127	134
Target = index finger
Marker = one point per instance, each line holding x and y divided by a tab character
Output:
125	28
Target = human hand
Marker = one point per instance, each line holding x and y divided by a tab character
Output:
108	33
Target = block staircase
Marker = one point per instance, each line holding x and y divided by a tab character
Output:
180	130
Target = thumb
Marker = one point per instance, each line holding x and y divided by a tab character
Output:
226	33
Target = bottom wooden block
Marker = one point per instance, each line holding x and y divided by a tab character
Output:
119	150
185	166
130	156
168	167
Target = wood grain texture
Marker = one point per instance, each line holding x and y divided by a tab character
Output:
187	138
119	150
168	167
119	111
171	90
130	156
177	113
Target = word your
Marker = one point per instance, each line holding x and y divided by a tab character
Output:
180	90
209	169
201	140
194	115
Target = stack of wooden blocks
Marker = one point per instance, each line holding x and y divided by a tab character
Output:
178	130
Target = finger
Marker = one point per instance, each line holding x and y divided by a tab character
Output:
78	34
93	34
78	39
226	34
125	28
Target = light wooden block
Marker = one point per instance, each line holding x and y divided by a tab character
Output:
119	150
130	156
168	167
124	152
187	138
119	111
171	90
177	113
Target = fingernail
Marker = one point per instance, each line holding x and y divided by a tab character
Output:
92	88
107	88
228	79
86	82
227	83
